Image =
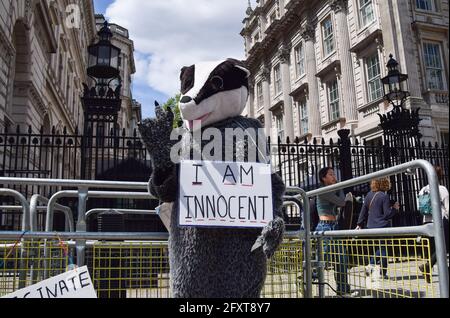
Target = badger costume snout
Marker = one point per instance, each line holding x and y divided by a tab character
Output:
211	262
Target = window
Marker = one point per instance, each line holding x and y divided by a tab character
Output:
60	67
433	66
260	94
366	12
273	17
299	60
427	5
333	99
444	138
280	127
328	37
303	113
256	38
277	77
375	88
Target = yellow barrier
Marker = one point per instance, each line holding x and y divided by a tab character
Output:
377	268
141	269
23	263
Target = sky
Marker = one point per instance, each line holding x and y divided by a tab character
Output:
170	34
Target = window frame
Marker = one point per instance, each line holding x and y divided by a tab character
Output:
362	7
277	81
260	97
427	68
374	79
303	114
431	2
279	124
328	41
334	112
444	136
300	60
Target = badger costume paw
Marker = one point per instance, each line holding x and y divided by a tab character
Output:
156	135
272	237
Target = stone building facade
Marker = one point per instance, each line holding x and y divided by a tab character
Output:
43	62
317	64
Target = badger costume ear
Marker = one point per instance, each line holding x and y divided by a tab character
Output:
184	69
240	65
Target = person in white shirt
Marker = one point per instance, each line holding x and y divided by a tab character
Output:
427	269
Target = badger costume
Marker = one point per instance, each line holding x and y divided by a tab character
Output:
211	262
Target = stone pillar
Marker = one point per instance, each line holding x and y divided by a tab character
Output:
347	78
398	40
286	82
267	101
402	47
308	34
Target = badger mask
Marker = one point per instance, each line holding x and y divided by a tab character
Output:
212	92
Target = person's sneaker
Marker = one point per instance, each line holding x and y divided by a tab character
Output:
426	274
422	268
349	294
369	269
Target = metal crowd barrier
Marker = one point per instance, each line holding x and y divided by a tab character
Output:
290	273
434	230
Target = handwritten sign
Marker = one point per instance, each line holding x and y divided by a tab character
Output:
225	194
73	284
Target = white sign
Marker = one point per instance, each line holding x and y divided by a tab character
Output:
225	194
73	284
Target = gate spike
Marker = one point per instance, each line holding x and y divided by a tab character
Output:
30	130
18	129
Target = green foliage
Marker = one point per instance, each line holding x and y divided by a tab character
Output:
173	103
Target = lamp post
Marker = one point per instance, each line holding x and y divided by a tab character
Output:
401	137
102	98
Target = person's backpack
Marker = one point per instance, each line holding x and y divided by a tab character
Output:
425	204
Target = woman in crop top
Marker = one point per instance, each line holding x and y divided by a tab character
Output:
327	205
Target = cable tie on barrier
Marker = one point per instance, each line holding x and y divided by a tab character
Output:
65	248
2	262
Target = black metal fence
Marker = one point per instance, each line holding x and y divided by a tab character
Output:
116	156
299	162
58	155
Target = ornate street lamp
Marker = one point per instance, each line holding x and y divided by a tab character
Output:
395	84
103	56
102	100
103	68
401	134
400	121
